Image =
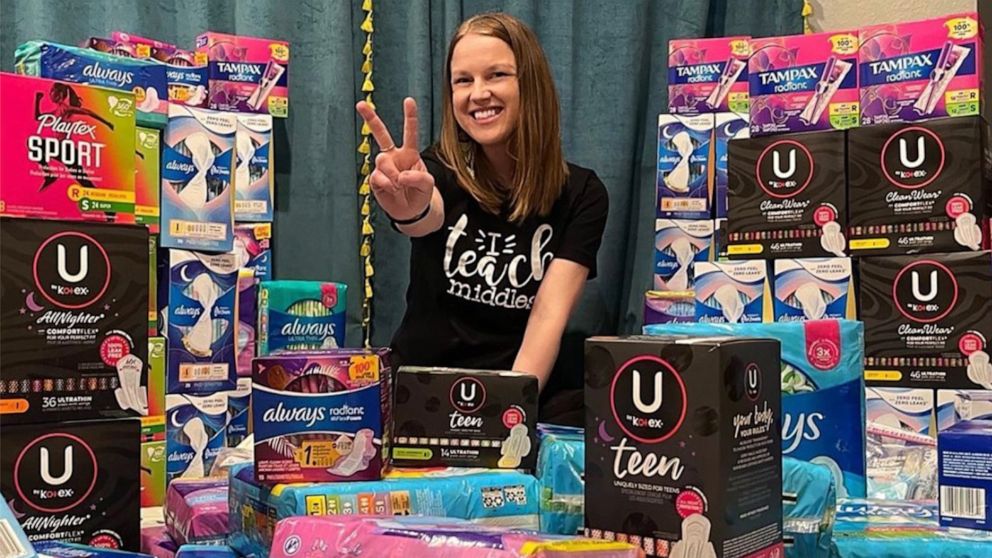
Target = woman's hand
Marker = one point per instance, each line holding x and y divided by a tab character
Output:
400	181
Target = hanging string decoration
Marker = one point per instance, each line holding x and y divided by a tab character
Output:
364	190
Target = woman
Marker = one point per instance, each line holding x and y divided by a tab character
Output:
504	232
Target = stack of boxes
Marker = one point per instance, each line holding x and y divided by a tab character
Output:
137	220
862	192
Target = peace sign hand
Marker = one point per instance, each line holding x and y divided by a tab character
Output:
400	181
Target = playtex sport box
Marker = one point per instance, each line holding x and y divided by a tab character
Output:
247	74
74	339
813	289
965	475
197	205
74	481
708	75
321	417
923	69
677	244
804	82
823	393
143	79
68	150
684	183
919	187
787	196
928	320
699	469
465	418
500	498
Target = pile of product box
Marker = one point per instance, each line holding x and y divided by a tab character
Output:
840	176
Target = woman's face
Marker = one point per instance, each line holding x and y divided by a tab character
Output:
485	93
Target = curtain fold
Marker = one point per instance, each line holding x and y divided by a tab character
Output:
608	60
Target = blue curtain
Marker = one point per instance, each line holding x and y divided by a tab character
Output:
608	58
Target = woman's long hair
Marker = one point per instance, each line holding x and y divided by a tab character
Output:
535	143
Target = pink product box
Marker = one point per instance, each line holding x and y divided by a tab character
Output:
921	69
68	150
708	75
438	538
122	37
247	74
804	82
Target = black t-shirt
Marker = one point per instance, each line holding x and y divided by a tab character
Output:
473	282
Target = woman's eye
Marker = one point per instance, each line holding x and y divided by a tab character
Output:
462	80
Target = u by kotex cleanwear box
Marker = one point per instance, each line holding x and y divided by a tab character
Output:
465	418
677	245
69	151
202	316
685	432
813	289
74	334
142	79
501	498
321	417
300	316
919	187
802	83
708	75
247	74
196	431
823	390
915	70
74	481
928	320
787	196
685	181
197	203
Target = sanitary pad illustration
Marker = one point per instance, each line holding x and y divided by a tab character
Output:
732	292
196	429
197	180
321	417
822	390
921	69
201	322
145	80
813	289
68	149
677	244
708	75
300	316
17	544
803	82
247	74
684	184
254	177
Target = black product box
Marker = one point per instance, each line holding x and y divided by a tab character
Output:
73	320
928	320
787	196
918	187
75	481
683	435
464	418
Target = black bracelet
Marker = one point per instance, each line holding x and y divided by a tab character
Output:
420	217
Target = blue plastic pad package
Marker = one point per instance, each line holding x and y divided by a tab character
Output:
823	412
501	498
205	551
809	501
58	549
15	541
147	80
561	480
886	529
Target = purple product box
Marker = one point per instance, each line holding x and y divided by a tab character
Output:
708	75
196	511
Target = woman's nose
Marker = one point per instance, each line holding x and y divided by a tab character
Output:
480	91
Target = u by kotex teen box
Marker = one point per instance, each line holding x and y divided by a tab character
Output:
804	82
708	75
68	150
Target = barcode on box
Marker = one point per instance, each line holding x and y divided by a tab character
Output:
10	546
962	502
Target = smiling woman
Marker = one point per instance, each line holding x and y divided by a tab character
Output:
505	231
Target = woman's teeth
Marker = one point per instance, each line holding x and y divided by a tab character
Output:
486	114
